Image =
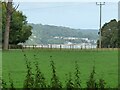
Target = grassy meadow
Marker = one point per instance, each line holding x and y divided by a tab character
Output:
105	61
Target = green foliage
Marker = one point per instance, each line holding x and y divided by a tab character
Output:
91	83
119	34
55	83
101	84
29	81
109	34
39	77
4	84
77	82
69	82
0	23
11	82
19	30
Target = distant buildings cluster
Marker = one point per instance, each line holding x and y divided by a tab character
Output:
84	40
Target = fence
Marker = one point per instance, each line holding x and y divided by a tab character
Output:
62	46
59	46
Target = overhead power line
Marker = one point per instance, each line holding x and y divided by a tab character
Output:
50	7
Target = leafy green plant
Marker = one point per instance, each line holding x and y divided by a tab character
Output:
55	83
69	83
4	84
101	84
29	81
11	82
39	77
91	83
77	82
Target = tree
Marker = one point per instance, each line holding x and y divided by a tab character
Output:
109	33
8	6
119	34
18	31
0	23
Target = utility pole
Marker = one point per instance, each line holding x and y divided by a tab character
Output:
100	4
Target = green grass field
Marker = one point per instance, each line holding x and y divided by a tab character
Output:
106	64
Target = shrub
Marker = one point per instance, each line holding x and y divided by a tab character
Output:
4	84
69	82
11	82
77	82
55	83
39	77
101	84
91	83
29	80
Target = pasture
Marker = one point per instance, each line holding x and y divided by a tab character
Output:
105	61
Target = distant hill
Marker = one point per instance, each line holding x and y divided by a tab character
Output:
45	34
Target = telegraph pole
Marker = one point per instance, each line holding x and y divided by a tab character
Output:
100	4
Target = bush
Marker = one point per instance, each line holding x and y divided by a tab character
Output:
39	77
91	83
101	84
4	84
11	82
77	82
69	83
55	83
29	81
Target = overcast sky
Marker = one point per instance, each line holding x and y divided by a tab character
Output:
70	14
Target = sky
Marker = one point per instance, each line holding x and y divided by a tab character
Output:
78	15
119	10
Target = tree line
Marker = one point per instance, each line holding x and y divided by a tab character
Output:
110	34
